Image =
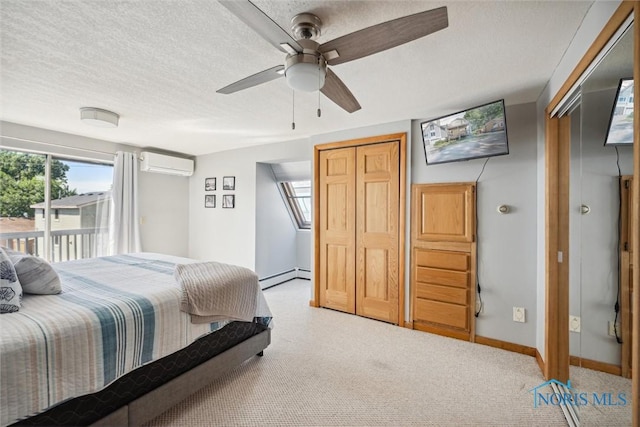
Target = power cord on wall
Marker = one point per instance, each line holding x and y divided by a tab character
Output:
616	306
482	171
478	289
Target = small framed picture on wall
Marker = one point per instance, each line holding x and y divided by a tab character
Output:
209	184
229	201
229	183
210	201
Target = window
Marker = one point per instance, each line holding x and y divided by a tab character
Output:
70	223
298	197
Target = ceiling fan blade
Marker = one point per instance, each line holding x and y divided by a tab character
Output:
338	92
384	36
259	22
254	80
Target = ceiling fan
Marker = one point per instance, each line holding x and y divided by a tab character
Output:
306	62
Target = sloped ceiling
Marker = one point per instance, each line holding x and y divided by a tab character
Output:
158	63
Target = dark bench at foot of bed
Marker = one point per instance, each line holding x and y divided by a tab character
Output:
150	390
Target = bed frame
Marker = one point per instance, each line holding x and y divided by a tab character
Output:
145	407
159	400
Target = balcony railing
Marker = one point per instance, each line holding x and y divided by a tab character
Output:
65	245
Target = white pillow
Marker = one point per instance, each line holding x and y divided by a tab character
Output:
35	274
10	289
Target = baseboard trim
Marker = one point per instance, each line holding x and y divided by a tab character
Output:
540	361
461	335
505	345
408	325
595	365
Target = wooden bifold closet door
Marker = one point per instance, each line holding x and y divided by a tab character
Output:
359	190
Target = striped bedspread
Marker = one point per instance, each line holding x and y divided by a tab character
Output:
114	314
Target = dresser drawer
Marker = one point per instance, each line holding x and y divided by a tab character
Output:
442	259
435	276
442	293
442	313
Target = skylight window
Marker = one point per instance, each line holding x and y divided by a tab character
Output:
298	197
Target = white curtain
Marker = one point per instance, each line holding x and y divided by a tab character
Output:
124	231
99	245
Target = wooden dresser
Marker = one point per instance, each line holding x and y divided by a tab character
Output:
443	259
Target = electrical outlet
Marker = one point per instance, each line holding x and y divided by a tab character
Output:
574	323
519	314
612	331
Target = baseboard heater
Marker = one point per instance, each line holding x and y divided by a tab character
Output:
304	274
285	276
569	409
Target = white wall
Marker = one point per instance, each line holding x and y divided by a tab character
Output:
598	15
229	235
303	249
506	242
164	213
276	250
164	199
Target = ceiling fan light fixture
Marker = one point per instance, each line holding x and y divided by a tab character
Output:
305	72
305	77
99	117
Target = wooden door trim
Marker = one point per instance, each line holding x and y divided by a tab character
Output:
361	141
402	139
553	278
557	158
635	226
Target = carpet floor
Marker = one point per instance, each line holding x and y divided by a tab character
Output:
326	368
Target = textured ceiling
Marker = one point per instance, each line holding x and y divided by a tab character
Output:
158	63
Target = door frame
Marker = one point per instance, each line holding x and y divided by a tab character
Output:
402	140
557	145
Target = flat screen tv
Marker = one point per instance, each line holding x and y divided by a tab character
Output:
469	134
620	130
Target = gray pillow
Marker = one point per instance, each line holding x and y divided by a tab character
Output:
35	274
10	289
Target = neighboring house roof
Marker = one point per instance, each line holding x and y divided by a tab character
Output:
75	202
13	224
459	122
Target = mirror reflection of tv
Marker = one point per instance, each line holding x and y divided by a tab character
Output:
620	129
469	134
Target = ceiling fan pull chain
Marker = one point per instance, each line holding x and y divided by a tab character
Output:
293	110
319	87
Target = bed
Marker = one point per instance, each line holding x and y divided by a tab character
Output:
121	343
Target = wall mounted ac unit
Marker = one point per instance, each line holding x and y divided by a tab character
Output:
160	163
